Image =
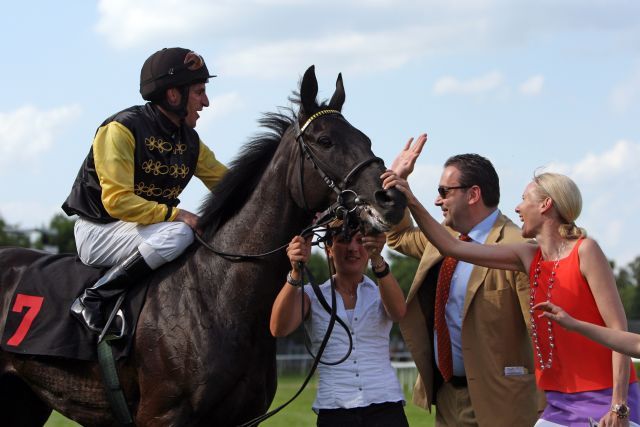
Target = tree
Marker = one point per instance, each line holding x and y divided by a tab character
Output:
404	269
318	266
628	283
60	234
10	236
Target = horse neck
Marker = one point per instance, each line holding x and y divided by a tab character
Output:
269	218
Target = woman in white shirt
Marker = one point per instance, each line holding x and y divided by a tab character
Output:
363	390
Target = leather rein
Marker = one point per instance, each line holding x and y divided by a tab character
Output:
347	202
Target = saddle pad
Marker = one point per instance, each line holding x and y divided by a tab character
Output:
39	321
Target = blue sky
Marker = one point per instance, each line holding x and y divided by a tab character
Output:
528	84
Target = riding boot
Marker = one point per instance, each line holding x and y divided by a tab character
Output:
88	307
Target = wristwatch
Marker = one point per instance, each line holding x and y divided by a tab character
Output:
621	410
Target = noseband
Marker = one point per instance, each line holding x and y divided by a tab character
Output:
340	188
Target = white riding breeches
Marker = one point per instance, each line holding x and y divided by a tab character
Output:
105	245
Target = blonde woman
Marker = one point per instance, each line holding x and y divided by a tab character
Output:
581	379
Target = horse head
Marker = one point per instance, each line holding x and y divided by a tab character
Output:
335	162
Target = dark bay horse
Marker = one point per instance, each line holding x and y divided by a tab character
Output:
202	352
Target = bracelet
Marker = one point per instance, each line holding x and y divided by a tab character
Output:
292	281
383	273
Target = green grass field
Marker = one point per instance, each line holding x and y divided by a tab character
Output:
298	413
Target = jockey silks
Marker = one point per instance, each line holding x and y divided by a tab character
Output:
138	165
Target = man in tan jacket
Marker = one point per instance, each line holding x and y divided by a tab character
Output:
487	311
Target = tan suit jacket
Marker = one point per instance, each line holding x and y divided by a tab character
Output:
494	330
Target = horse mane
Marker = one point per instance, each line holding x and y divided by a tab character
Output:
246	170
244	173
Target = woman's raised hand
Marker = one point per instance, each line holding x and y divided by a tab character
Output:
406	159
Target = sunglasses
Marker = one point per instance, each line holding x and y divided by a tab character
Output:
443	191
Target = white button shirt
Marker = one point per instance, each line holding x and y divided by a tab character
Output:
367	376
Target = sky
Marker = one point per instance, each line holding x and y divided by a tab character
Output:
531	85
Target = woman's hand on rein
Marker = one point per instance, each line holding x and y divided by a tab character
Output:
299	250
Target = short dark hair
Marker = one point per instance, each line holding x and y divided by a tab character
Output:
477	170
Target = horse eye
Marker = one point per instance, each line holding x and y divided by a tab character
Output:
325	141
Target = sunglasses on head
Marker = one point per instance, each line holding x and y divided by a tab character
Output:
443	191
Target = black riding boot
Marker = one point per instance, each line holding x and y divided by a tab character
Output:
88	307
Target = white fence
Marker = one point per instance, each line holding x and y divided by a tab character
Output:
299	364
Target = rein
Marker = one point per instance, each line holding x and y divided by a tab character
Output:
347	202
333	318
339	188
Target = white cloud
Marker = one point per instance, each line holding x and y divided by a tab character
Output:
621	161
424	182
220	107
624	95
270	38
532	86
487	83
127	23
609	182
349	51
28	132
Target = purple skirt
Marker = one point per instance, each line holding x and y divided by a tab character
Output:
575	409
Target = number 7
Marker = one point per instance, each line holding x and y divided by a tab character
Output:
33	304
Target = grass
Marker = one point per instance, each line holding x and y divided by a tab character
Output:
298	413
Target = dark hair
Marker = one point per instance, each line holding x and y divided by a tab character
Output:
477	170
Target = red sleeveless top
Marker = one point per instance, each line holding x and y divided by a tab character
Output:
578	363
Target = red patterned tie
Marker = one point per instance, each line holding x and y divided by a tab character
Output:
440	323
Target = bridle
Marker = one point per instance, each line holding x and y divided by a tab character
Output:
341	208
346	199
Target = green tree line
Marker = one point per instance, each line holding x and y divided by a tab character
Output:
57	236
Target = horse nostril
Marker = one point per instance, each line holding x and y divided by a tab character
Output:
382	198
389	198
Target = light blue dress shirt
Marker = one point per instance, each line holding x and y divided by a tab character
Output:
457	293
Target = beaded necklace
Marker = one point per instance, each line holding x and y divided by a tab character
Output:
532	297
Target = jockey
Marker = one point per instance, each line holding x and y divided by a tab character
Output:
126	192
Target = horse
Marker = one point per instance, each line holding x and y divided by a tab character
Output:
202	352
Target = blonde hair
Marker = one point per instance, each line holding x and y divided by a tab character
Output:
567	201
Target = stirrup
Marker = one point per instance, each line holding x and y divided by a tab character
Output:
108	333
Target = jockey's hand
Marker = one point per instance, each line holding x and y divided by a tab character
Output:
189	218
299	251
406	160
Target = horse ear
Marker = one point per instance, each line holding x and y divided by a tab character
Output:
309	91
338	96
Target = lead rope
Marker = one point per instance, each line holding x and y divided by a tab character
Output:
316	360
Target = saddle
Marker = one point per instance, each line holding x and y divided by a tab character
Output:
39	322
